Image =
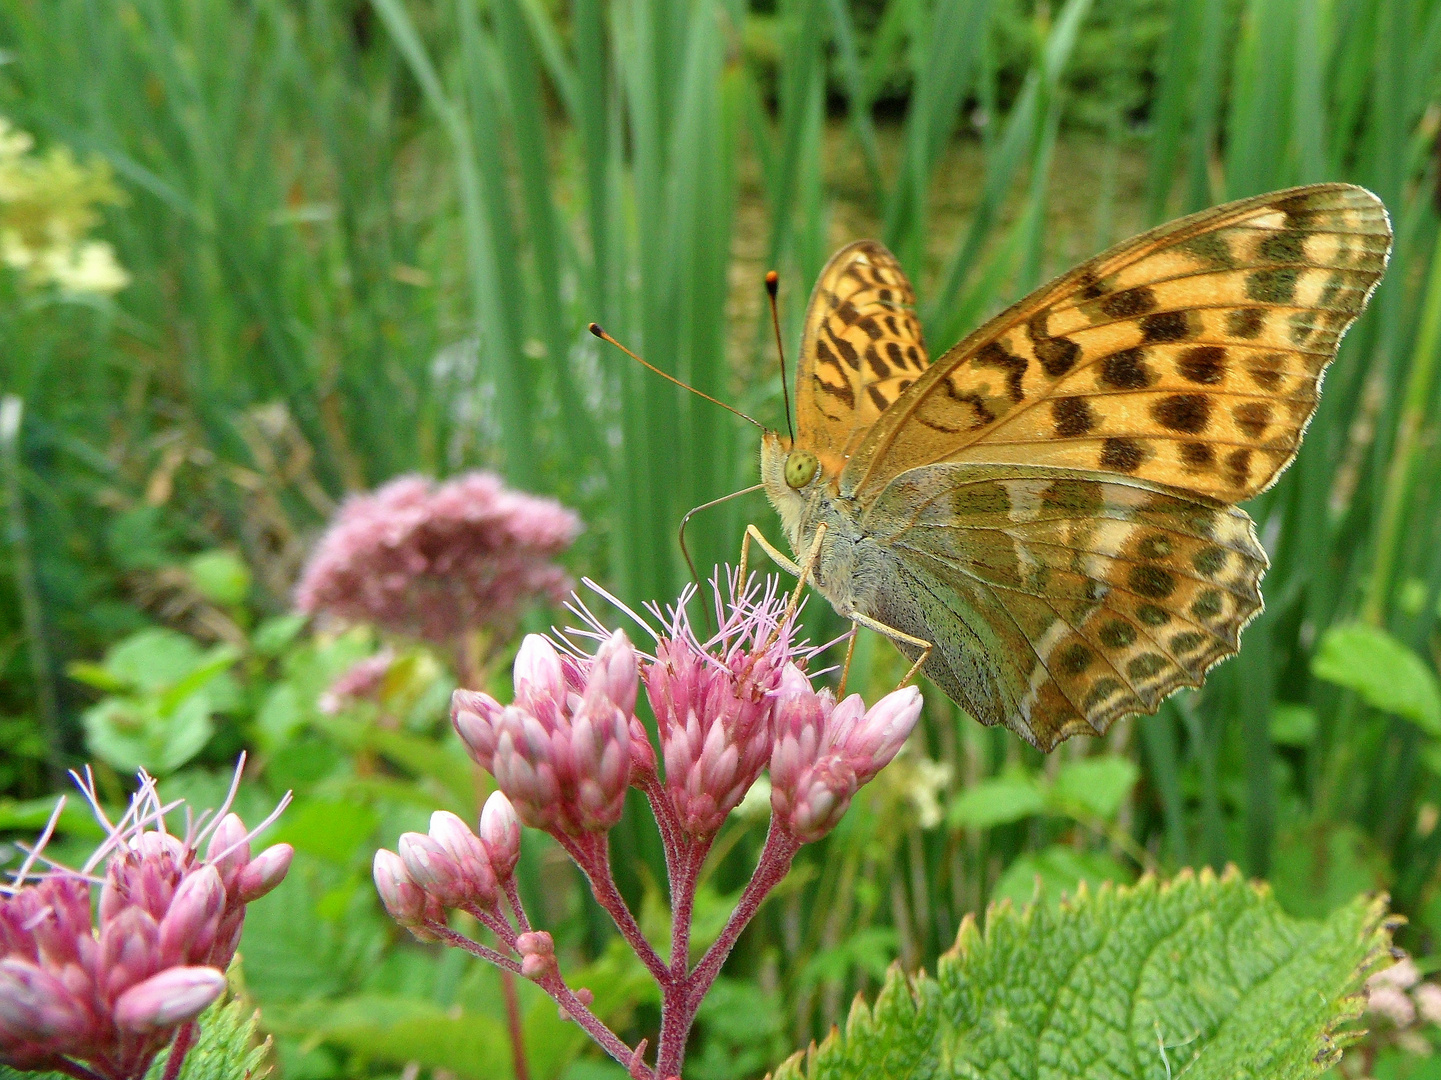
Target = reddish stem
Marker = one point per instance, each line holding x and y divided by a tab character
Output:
681	1000
475	948
592	855
178	1049
512	1020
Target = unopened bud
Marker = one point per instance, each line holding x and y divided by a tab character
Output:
500	831
537	954
264	872
35	1004
538	671
615	672
402	897
472	861
229	848
188	930
172	997
476	719
129	951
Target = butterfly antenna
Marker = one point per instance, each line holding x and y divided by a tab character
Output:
684	550
773	285
599	331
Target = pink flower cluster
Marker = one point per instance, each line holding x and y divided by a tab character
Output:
437	561
569	745
103	998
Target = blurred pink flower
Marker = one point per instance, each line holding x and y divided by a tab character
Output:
435	561
1428	1002
1384	999
111	992
361	680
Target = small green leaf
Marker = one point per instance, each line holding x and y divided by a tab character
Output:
1202	977
1293	725
1386	674
153	659
273	635
998	801
1061	870
220	576
1098	785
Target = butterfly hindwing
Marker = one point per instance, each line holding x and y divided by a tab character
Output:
1100	595
1189	356
862	347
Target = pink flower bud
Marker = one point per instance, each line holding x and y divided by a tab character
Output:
187	932
476	719
877	738
538	673
129	951
34	1004
403	898
469	855
431	867
230	841
537	954
172	997
825	751
500	832
614	672
264	872
563	760
59	924
715	716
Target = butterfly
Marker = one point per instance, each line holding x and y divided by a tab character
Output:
1045	518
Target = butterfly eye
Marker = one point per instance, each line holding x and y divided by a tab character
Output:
801	468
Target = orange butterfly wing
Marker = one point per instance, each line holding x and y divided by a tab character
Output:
1189	356
861	349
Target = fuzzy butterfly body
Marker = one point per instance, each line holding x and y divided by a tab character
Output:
1050	504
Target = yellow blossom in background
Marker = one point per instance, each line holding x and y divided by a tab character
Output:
48	205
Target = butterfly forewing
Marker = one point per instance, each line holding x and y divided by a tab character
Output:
862	347
1190	356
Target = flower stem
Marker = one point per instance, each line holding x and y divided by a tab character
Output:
592	855
178	1049
512	1022
475	948
681	1002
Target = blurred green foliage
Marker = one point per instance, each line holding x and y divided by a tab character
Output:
365	238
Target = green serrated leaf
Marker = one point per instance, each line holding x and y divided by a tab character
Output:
1202	977
1386	674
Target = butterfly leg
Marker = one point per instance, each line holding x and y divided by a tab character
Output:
897	636
752	533
846	668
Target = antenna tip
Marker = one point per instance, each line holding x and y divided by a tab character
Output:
595	328
773	281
